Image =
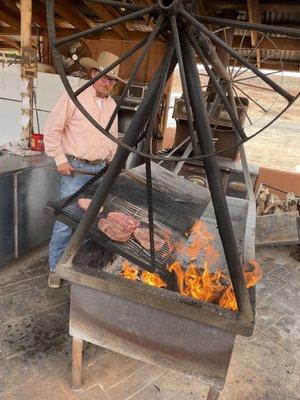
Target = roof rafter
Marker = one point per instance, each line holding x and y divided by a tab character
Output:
105	16
72	14
9	16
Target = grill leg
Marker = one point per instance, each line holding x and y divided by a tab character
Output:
76	363
213	394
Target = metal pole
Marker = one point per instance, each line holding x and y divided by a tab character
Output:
116	166
205	138
241	148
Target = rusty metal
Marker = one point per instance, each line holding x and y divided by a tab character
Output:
187	347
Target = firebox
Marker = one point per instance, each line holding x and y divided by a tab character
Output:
156	325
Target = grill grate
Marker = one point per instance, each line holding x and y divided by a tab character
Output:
171	216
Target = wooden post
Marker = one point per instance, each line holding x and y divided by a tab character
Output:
76	363
28	72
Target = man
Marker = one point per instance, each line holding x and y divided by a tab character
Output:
75	143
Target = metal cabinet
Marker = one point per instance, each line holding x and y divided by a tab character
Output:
7	227
23	194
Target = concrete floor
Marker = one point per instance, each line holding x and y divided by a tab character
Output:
35	346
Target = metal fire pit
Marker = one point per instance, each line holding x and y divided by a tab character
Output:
154	325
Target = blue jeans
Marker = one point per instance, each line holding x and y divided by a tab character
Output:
62	233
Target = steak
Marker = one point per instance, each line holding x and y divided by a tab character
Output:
124	219
142	236
114	230
84	204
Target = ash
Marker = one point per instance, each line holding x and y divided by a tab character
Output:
93	255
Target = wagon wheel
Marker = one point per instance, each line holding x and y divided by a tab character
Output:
170	15
186	37
255	99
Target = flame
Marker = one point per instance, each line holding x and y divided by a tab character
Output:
228	299
129	272
152	279
253	276
198	283
132	273
211	287
201	240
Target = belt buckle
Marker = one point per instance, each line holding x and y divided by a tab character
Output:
95	162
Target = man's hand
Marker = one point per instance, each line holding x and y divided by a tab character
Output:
65	168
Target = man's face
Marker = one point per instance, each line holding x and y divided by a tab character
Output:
104	85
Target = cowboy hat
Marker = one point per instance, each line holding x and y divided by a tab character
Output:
104	60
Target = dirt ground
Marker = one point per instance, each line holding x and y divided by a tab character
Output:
278	146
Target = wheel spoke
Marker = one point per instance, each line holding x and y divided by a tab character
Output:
235	121
135	70
256	63
248	58
240	48
220	42
251	99
242	105
102	27
254	86
184	84
255	77
109	68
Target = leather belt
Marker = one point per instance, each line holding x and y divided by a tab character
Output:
94	162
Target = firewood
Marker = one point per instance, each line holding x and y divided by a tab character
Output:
272	201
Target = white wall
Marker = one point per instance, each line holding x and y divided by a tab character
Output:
48	88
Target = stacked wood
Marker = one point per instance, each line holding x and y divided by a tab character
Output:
269	203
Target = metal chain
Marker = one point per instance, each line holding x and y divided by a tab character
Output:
150	211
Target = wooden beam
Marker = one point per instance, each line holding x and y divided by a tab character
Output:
220	5
14	5
105	16
62	32
254	16
280	43
71	14
11	42
9	17
28	64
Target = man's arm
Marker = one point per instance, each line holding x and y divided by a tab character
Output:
54	129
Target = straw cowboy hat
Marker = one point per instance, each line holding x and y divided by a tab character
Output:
104	60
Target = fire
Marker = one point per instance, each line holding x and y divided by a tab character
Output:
132	273
201	241
152	279
251	277
129	272
195	282
212	287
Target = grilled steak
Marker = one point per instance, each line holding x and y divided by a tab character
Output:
124	219
84	204
114	230
143	238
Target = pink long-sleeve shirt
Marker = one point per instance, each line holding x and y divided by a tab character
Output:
68	132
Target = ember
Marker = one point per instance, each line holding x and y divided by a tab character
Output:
193	281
